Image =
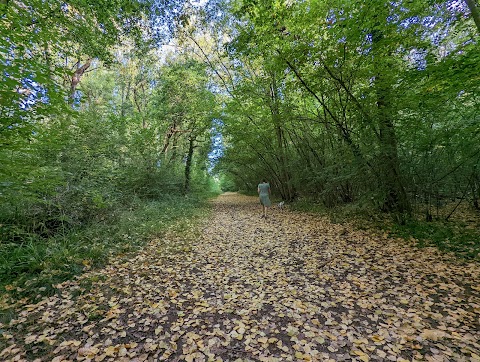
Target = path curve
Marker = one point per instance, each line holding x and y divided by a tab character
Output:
294	287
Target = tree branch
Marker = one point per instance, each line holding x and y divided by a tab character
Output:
475	13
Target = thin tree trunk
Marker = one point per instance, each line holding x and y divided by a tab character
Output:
188	164
139	108
286	189
340	128
77	75
475	13
475	190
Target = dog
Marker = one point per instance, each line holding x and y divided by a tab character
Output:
281	205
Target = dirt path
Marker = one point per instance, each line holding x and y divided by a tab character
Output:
293	287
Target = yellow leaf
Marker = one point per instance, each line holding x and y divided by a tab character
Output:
59	359
100	357
241	330
122	352
331	336
263	340
381	353
320	340
433	334
110	351
30	339
292	331
358	352
92	352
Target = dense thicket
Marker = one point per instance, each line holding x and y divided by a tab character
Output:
95	123
372	102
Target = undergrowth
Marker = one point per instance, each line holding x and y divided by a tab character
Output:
446	236
456	236
31	269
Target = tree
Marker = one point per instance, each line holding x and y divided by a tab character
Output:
189	107
347	90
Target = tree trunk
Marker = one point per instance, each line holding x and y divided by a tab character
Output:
137	98
475	13
396	196
396	199
286	189
475	190
188	164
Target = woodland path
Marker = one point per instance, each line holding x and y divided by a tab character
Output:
294	287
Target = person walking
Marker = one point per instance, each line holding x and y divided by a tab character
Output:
264	194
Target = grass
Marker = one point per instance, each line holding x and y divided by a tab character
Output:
446	236
454	236
31	269
305	205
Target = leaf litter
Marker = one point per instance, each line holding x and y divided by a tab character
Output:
293	287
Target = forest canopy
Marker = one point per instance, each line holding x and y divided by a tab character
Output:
355	101
105	105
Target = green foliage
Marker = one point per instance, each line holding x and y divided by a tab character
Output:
306	205
446	236
345	102
227	184
35	265
372	105
97	178
42	42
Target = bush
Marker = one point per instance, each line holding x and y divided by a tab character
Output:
34	265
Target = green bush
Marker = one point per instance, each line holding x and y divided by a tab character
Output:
36	264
